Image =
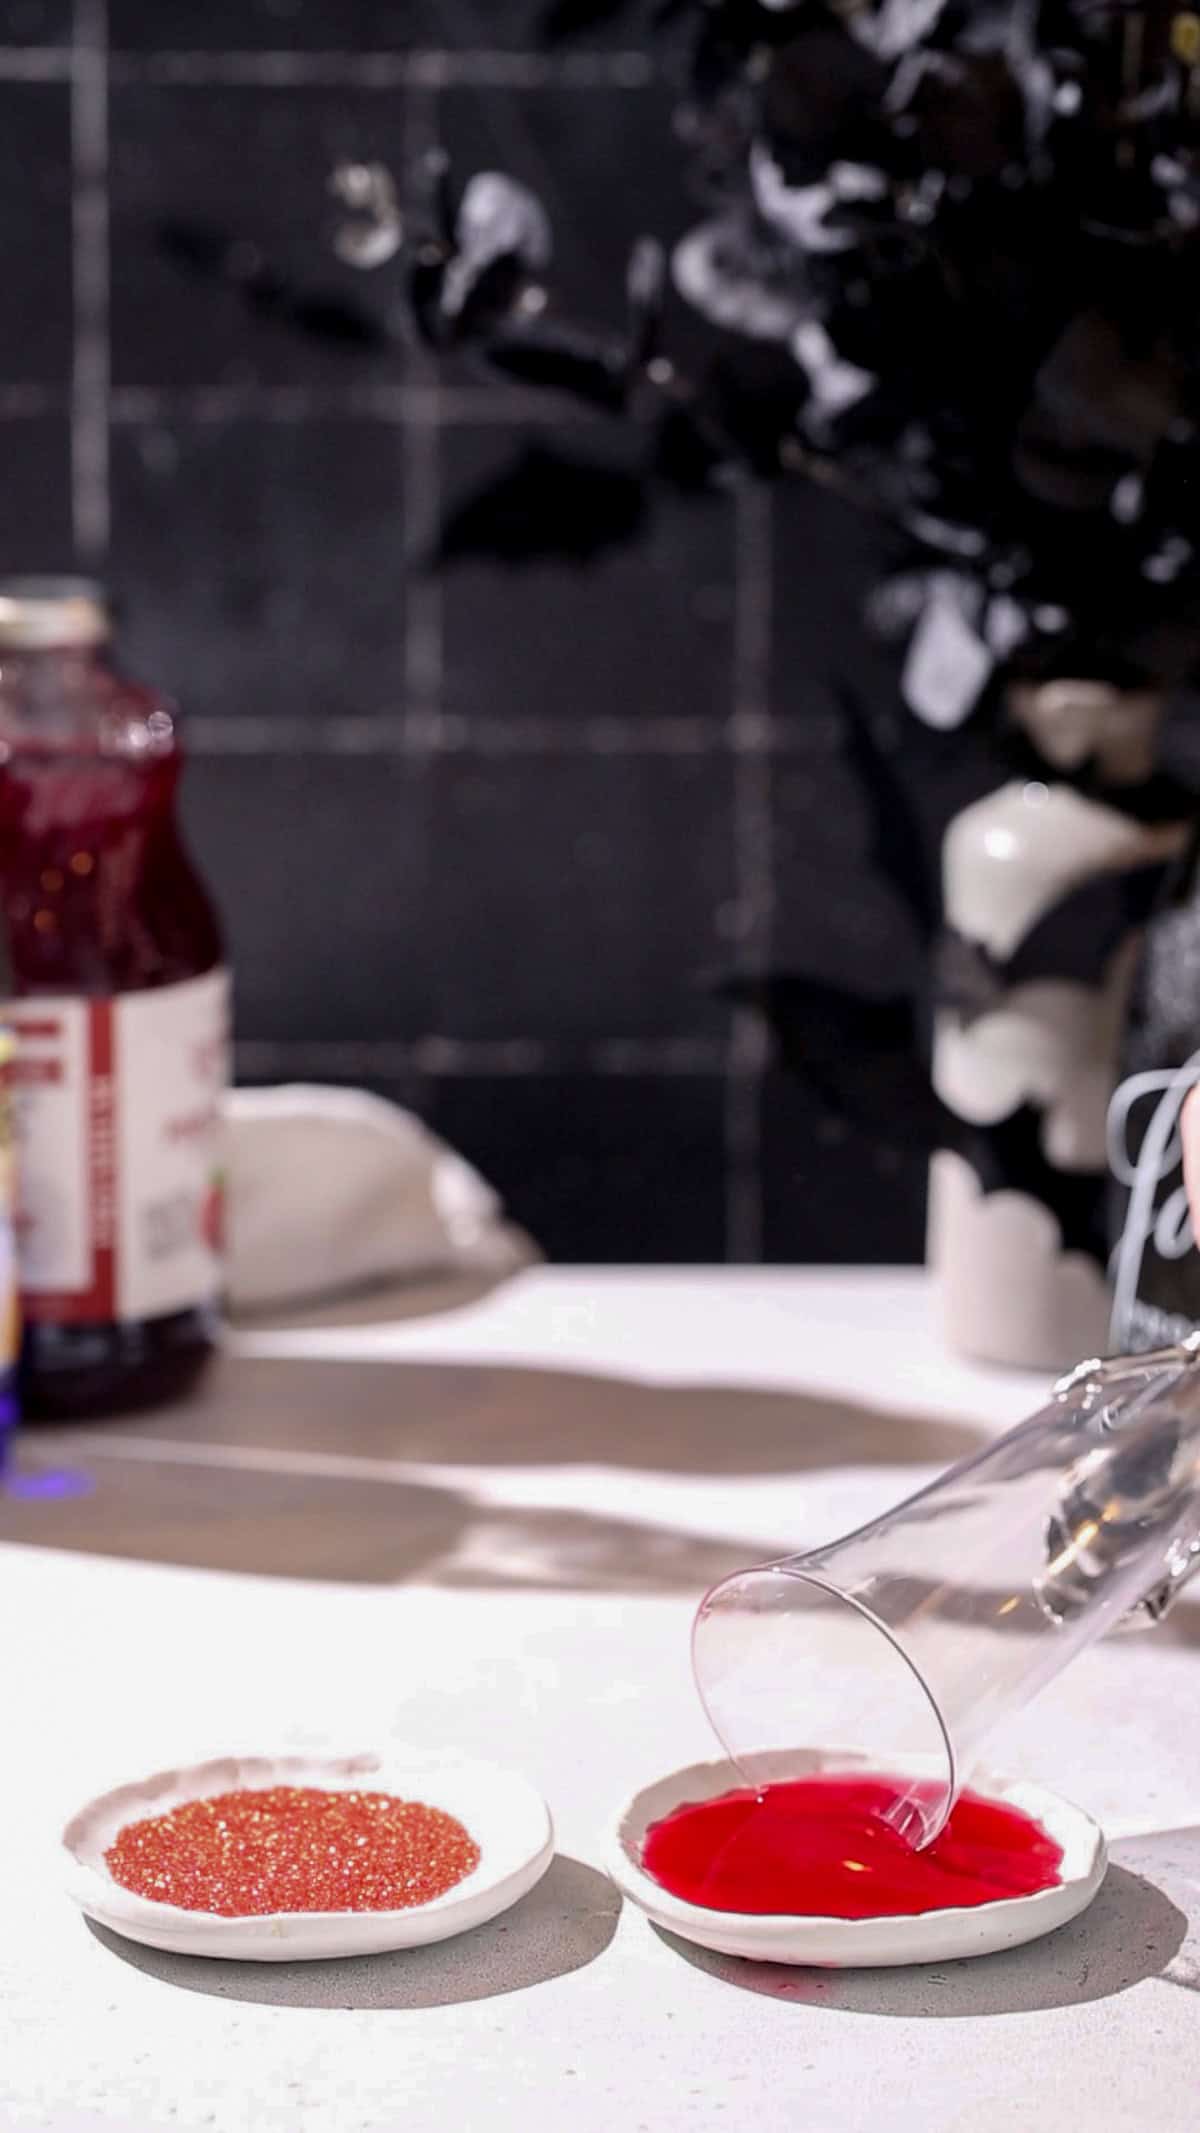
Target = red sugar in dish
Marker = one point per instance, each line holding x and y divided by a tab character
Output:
294	1848
818	1847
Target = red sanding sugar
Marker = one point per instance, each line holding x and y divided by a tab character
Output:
294	1848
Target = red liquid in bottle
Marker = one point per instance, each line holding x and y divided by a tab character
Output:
818	1847
120	1018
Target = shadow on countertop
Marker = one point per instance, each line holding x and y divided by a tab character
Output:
1134	1931
346	1532
1137	1928
1131	1932
511	1415
283	1467
562	1925
312	1469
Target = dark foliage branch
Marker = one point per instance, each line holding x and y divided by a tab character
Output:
946	255
948	250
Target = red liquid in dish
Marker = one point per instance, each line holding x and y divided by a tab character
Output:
819	1847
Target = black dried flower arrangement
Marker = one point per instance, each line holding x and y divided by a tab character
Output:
948	253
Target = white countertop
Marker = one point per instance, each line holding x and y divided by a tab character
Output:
489	1528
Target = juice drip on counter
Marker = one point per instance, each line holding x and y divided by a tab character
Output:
294	1848
819	1847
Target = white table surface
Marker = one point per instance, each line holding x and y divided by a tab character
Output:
489	1528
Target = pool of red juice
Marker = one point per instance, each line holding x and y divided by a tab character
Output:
821	1847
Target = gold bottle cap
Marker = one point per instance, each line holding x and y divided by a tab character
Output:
42	614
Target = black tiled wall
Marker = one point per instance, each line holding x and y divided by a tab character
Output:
483	840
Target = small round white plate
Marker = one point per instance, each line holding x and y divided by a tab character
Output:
509	1821
858	1943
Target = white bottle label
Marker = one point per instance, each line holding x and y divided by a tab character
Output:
117	1109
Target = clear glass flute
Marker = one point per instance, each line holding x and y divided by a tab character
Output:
909	1639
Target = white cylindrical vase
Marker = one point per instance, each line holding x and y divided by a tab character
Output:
1046	886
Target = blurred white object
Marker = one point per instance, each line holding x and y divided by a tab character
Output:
334	1189
1012	1289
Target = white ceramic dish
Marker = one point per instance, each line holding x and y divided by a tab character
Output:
509	1821
858	1943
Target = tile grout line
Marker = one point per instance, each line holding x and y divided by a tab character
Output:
428	403
420	413
432	1056
90	278
30	403
753	735
750	736
388	733
420	502
428	70
36	63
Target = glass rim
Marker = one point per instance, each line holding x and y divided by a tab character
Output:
784	1568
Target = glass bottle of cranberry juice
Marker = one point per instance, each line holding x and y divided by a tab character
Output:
121	1018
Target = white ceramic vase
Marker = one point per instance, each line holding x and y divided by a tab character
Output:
1046	883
